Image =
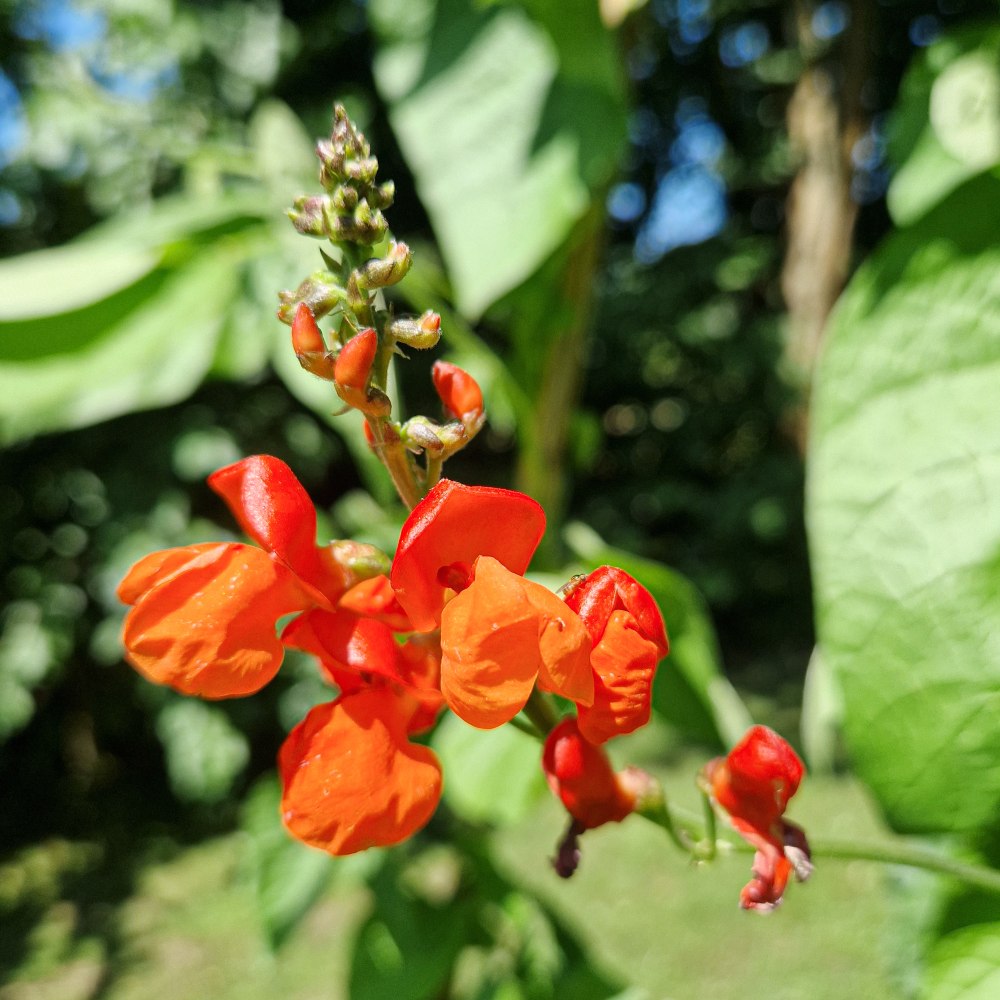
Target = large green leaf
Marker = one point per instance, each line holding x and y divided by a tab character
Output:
127	317
965	965
946	127
690	690
904	514
508	125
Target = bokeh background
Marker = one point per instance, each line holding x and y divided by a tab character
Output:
636	220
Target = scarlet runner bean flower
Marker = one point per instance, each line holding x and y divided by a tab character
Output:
203	622
754	784
458	566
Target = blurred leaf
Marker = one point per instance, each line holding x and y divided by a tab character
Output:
289	876
904	514
690	690
822	714
205	752
965	965
946	127
78	359
69	277
494	776
407	948
507	127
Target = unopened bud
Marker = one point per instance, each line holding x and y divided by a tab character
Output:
308	215
354	362
309	346
420	434
357	560
459	391
378	272
320	292
352	370
418	333
382	196
306	335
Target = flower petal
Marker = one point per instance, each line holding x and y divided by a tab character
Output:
375	598
624	663
273	508
352	780
456	524
581	776
489	647
157	567
608	589
563	645
208	626
343	642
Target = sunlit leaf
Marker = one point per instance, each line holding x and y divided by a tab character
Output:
508	123
904	514
946	127
494	775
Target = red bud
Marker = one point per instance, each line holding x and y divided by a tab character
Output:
354	363
306	335
458	390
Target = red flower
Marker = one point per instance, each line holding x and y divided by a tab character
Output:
458	565
629	640
581	776
754	784
204	620
204	615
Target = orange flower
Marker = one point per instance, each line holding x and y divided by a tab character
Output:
629	640
754	784
204	615
204	620
458	565
447	531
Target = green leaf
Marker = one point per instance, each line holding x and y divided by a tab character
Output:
408	946
494	776
904	515
289	877
205	752
946	127
690	690
146	346
965	965
507	125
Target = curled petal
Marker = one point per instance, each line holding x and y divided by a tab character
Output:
351	779
207	627
273	508
376	599
563	646
608	589
453	525
771	871
157	567
306	335
581	776
344	642
354	362
624	663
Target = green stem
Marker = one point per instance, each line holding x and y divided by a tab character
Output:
907	855
541	712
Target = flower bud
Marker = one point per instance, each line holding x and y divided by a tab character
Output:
319	291
458	390
352	370
309	346
418	333
306	335
307	215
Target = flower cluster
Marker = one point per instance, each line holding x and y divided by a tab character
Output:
754	784
452	622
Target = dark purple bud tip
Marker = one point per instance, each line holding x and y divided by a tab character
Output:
567	858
